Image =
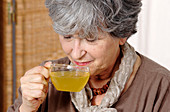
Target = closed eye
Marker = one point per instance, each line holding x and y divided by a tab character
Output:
90	40
68	37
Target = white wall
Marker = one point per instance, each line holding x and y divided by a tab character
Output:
153	37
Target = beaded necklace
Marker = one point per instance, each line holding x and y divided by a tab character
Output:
100	91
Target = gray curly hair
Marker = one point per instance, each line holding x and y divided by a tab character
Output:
117	17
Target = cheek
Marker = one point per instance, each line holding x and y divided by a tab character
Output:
99	54
101	51
105	54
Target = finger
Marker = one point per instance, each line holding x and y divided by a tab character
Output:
38	70
35	78
27	98
33	94
35	86
48	64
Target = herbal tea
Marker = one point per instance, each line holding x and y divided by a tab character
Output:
73	81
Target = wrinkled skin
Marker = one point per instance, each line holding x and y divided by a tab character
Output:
34	86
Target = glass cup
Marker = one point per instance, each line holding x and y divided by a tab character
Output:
69	78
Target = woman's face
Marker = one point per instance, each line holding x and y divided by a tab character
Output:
100	55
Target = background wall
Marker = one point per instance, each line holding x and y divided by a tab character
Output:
35	42
153	37
1	55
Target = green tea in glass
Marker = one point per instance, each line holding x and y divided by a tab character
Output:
69	77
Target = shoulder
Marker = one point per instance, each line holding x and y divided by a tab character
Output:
153	71
64	60
149	89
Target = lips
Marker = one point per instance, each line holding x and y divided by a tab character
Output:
82	63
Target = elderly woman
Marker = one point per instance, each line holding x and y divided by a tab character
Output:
94	33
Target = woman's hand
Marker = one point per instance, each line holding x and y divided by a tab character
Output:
34	87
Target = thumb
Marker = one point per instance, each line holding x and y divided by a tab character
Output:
47	64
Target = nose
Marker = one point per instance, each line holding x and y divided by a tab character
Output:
78	50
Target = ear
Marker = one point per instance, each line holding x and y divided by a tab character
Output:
122	41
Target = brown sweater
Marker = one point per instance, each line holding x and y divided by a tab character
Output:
149	92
